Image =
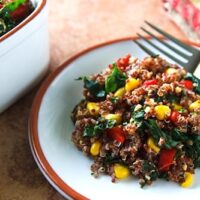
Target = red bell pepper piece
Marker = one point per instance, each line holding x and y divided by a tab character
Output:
20	13
1	6
122	63
150	82
116	133
187	84
174	116
166	159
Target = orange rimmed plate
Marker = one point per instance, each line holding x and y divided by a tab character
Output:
50	128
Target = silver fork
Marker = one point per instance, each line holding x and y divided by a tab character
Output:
192	60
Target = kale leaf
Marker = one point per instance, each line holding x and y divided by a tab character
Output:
89	131
114	100
109	159
172	98
149	172
179	136
12	6
138	115
96	89
115	80
193	151
93	130
150	169
158	99
157	133
138	119
169	97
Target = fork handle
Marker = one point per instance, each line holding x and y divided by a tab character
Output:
197	71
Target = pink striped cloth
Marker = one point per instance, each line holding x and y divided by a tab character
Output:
188	11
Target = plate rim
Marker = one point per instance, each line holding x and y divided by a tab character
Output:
51	176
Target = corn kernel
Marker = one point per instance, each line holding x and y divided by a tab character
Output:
188	180
162	112
95	148
171	71
194	105
151	144
121	172
117	117
131	84
177	106
120	92
93	108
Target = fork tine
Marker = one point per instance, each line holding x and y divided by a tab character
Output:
162	51
170	37
184	55
151	53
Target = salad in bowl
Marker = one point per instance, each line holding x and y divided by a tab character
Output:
12	12
140	118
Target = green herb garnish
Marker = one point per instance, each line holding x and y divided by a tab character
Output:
115	80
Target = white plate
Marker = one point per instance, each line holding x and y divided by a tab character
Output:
66	168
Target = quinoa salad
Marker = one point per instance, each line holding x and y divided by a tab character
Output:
140	118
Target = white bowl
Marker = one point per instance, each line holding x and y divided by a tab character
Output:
24	55
50	128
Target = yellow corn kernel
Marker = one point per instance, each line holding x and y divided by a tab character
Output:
95	148
131	84
162	112
188	180
151	144
120	92
171	71
176	106
194	105
93	108
117	117
121	171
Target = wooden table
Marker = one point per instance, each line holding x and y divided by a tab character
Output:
74	25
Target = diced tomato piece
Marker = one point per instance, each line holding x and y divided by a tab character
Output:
174	116
116	133
20	13
122	63
187	84
150	82
1	6
166	159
